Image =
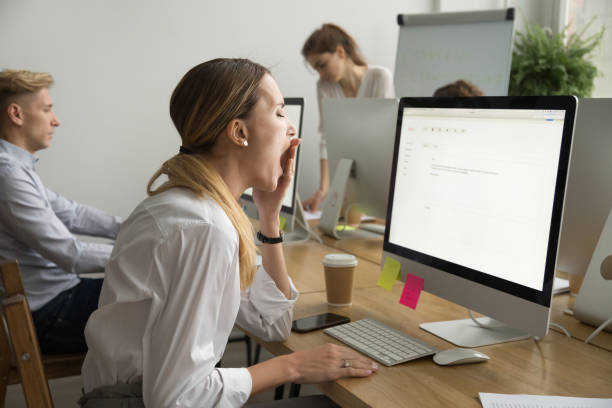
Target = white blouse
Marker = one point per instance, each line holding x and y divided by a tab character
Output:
376	83
170	298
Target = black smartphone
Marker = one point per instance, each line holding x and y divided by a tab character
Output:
318	322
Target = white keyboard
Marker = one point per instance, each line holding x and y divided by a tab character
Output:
380	342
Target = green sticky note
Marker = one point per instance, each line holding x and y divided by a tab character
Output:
344	228
283	222
389	273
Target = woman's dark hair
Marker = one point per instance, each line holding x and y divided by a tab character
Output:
327	38
458	88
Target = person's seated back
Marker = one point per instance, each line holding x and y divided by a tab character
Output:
458	88
36	224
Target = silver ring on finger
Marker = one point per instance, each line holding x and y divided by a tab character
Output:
346	364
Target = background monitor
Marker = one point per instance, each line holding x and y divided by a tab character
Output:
475	207
589	187
294	109
360	136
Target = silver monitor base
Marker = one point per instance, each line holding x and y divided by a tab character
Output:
301	229
466	333
328	223
335	197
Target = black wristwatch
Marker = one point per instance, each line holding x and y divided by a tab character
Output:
268	240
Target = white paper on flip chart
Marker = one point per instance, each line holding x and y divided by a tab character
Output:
540	401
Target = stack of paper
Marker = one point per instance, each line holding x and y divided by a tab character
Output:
540	401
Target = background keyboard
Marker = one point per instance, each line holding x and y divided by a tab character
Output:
380	342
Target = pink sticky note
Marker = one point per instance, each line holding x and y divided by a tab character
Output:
412	291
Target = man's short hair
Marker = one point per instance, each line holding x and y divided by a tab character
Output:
14	82
458	88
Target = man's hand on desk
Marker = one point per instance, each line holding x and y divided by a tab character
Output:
329	362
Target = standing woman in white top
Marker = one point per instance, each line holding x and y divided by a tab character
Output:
343	73
183	269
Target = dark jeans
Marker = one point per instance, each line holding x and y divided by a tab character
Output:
130	396
60	324
318	401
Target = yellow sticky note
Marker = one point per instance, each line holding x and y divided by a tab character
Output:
344	228
283	222
389	273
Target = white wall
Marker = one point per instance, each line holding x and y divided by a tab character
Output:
116	63
541	12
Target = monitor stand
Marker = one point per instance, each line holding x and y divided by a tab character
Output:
328	223
466	333
301	230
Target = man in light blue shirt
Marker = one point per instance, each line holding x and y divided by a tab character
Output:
36	224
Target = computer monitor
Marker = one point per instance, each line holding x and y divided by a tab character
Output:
294	109
587	206
360	135
475	207
589	188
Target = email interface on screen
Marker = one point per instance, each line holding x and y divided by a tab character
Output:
293	113
475	187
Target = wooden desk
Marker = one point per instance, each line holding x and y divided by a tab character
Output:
304	264
557	365
369	249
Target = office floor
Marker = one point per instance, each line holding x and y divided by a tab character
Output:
66	391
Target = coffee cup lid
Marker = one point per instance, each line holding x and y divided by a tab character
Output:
339	260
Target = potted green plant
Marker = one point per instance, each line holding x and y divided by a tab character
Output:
544	64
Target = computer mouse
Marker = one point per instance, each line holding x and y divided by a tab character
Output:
459	356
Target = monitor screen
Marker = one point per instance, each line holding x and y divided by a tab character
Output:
477	189
466	175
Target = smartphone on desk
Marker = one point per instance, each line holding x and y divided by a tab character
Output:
318	322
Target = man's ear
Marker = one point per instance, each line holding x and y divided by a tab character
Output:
237	132
15	114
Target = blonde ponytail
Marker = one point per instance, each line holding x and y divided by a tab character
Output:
195	174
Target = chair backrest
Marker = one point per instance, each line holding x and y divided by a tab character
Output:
6	353
23	338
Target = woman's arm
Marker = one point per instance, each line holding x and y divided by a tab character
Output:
272	255
314	201
265	311
269	206
324	177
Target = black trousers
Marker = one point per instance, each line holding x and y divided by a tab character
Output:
60	324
